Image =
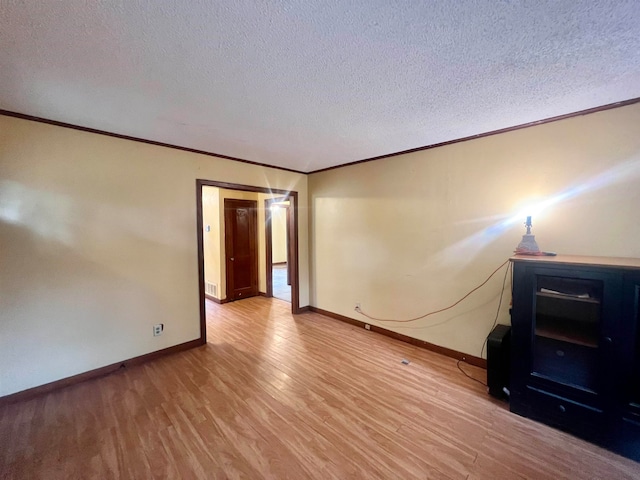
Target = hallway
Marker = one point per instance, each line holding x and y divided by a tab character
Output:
280	288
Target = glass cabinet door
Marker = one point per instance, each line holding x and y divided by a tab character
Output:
566	344
635	379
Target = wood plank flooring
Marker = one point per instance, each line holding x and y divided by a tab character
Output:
277	396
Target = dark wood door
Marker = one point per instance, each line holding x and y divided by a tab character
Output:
241	253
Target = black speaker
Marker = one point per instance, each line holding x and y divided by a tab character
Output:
498	360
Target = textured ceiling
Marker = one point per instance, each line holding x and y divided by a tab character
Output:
307	85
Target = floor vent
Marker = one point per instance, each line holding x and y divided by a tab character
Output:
211	289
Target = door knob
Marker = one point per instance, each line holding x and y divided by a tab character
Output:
231	259
608	340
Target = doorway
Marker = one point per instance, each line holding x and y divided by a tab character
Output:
292	245
278	254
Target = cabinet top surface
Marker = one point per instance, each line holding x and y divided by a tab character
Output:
617	262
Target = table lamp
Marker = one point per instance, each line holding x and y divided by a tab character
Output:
528	245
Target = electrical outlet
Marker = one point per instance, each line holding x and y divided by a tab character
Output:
158	329
367	326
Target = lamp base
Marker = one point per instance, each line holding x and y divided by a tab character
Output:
528	245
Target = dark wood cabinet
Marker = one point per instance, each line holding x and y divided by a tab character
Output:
628	417
575	359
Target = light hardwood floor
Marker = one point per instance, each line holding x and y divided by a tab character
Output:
277	396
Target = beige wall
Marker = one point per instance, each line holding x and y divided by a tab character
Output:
279	235
98	243
411	234
211	240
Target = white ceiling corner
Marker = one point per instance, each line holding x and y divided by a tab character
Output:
309	85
